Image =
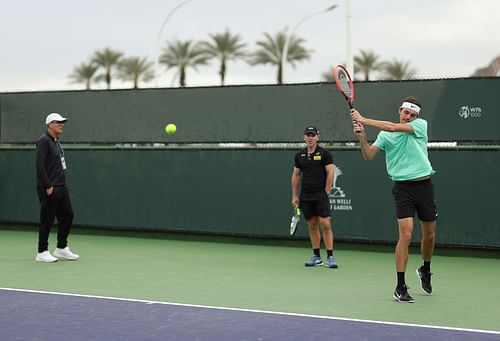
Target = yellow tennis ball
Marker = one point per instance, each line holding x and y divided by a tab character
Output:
170	128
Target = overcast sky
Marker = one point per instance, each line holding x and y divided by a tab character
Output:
42	41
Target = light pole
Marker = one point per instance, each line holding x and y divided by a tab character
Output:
349	58
284	54
158	43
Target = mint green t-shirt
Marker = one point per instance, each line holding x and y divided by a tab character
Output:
406	155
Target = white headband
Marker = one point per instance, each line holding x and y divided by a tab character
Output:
412	106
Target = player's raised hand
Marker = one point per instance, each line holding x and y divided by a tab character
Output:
358	128
356	116
356	122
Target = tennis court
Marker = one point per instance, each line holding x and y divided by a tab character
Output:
169	286
189	237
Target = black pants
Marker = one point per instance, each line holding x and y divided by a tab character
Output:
58	204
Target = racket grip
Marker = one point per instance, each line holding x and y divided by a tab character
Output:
357	129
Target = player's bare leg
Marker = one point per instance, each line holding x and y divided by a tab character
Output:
326	227
315	237
427	249
428	239
402	247
314	233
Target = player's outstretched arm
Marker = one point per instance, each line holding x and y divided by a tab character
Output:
382	125
368	151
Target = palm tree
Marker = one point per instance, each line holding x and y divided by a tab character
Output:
135	69
84	73
398	70
225	47
327	76
367	62
107	59
491	70
182	55
271	52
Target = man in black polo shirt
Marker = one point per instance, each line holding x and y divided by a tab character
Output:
315	164
52	192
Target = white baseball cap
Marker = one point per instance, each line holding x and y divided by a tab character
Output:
55	117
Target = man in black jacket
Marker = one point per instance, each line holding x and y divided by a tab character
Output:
52	192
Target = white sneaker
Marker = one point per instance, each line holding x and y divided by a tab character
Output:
45	257
65	254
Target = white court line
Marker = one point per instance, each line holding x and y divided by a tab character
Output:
254	311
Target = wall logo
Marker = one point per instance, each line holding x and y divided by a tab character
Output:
466	112
338	199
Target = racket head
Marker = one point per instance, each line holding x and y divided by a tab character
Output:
295	220
293	224
344	82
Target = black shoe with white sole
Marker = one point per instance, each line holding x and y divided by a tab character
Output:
401	295
425	280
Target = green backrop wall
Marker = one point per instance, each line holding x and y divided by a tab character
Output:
457	110
247	192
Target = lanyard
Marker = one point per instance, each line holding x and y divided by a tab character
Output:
61	154
59	147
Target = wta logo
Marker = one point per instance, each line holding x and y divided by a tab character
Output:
466	112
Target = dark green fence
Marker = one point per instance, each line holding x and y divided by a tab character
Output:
457	110
247	192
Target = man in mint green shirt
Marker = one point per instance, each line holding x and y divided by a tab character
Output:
408	165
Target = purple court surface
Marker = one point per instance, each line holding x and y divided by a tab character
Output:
34	315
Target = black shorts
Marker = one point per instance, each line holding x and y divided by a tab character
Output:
315	205
411	196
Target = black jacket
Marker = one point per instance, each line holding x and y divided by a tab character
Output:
49	170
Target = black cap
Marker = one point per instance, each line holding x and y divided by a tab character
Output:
311	130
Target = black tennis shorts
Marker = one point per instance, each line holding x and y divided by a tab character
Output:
315	205
415	196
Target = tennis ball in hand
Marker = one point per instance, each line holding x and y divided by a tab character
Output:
170	128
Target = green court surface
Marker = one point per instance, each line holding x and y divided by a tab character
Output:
259	275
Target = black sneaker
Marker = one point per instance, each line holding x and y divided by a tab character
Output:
425	280
401	295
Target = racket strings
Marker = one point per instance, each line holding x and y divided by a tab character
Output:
344	83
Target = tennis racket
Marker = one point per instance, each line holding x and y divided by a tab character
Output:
344	84
295	220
